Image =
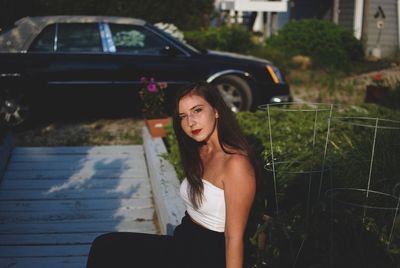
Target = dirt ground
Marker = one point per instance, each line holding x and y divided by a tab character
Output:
321	87
82	133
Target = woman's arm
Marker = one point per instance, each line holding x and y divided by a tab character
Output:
239	188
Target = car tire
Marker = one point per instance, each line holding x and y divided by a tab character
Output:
14	108
235	91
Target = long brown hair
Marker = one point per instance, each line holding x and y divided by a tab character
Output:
229	135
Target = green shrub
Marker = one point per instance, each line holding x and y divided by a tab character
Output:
234	38
329	45
298	166
275	55
173	152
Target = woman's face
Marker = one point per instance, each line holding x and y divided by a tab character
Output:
198	117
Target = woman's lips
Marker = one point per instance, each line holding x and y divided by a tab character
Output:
196	131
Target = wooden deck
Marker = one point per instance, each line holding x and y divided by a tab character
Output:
55	200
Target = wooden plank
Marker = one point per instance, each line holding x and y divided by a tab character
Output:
44	262
109	149
50	239
55	216
44	251
75	205
55	201
112	163
66	174
86	226
138	191
47	239
68	158
103	183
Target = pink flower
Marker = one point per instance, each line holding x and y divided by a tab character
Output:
143	79
152	87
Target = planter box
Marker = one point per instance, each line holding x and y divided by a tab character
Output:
164	183
5	153
157	126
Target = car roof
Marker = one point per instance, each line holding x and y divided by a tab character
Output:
78	18
18	38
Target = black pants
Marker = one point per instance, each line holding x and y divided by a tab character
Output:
191	246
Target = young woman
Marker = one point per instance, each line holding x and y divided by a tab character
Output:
218	191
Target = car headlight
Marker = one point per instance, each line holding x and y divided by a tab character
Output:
275	74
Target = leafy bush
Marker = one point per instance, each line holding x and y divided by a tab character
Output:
308	207
299	167
234	38
328	45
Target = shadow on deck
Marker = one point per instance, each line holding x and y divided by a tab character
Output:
55	200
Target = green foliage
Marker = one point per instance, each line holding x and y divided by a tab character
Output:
330	223
234	38
173	152
328	44
273	54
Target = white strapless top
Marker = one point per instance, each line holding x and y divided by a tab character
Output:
211	213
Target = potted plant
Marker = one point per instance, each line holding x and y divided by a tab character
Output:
377	90
152	95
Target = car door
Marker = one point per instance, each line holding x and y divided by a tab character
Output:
74	66
141	52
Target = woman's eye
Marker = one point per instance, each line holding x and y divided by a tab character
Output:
181	117
198	110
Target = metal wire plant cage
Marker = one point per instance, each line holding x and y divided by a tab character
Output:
336	193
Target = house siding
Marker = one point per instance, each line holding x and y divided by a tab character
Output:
388	41
346	14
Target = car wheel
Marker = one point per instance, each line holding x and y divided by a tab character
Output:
14	109
235	91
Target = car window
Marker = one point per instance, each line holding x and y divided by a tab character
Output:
136	40
44	42
78	37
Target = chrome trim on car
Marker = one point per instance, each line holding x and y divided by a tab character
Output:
111	82
80	82
225	72
55	38
10	75
280	99
139	82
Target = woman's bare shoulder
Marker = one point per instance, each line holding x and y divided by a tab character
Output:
238	166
